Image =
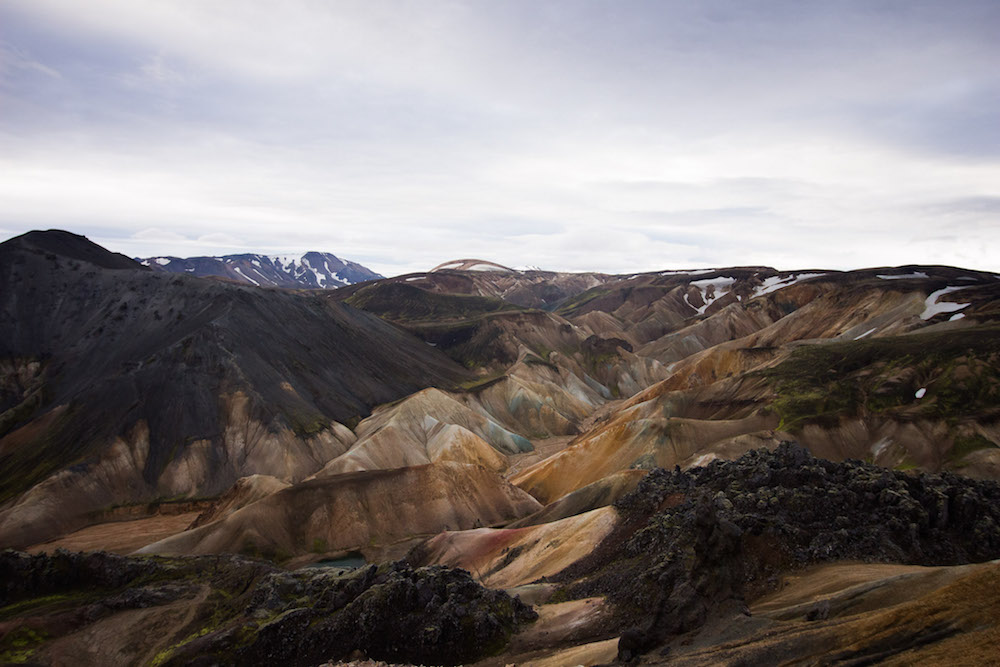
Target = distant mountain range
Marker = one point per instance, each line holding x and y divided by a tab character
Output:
311	270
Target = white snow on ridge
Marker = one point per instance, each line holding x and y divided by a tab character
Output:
721	288
956	316
901	276
284	261
717	282
486	267
699	272
870	331
246	276
932	307
162	261
775	283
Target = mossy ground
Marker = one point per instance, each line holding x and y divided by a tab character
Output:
959	371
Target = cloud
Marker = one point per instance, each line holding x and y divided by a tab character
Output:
155	235
569	134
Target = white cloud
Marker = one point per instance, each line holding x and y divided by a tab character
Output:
578	135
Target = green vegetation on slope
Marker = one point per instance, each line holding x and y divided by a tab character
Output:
959	371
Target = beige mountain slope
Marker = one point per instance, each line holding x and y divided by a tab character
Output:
246	490
595	495
246	447
534	399
424	427
508	557
357	511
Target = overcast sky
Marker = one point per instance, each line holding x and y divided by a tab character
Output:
614	136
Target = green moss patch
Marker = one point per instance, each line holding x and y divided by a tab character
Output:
960	372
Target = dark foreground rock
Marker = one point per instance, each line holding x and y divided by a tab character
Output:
705	541
246	612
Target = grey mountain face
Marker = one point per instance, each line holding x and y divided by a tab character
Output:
313	269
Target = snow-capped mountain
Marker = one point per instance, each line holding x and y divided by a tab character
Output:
313	269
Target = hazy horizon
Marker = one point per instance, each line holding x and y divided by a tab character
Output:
618	137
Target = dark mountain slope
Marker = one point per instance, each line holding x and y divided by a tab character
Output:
138	384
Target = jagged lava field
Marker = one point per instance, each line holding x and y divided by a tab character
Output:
251	460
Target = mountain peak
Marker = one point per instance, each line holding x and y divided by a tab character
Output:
308	270
72	246
472	265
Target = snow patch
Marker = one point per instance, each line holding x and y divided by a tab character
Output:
162	261
699	272
920	392
901	276
284	261
720	288
703	460
410	280
486	267
879	447
246	276
870	331
932	307
255	263
956	316
775	283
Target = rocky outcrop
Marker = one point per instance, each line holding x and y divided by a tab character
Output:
231	610
692	544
